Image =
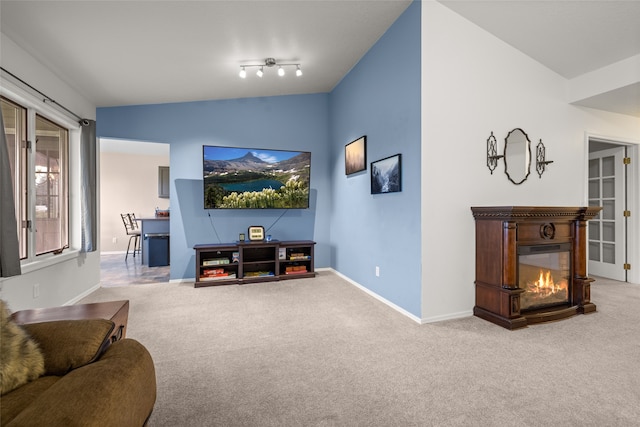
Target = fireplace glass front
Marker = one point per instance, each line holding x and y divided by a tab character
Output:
544	272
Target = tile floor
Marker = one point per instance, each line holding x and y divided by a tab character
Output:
116	271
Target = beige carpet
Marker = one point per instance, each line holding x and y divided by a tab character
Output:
320	352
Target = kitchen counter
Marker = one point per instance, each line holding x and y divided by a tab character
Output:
151	226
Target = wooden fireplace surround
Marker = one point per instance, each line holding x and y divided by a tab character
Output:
499	232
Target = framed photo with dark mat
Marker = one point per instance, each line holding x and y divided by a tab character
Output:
355	156
386	175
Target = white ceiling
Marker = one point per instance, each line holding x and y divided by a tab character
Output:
572	38
141	52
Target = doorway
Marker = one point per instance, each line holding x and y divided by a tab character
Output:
129	183
609	184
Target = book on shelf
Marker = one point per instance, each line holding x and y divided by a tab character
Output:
282	253
295	269
215	272
235	257
258	273
296	272
297	257
215	261
218	277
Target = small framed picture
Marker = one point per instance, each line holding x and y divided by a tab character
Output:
386	175
355	155
241	237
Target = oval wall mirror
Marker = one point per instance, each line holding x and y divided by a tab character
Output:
517	156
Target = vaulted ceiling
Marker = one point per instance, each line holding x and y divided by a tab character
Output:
141	52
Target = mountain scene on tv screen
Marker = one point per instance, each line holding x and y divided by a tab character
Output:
251	182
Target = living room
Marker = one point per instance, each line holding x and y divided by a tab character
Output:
426	126
409	94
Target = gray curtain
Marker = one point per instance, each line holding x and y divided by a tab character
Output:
9	246
88	190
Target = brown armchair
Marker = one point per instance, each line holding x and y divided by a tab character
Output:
88	380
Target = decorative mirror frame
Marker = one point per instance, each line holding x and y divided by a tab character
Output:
527	154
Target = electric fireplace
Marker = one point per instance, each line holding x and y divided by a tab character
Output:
531	264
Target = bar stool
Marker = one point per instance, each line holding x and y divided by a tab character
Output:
133	231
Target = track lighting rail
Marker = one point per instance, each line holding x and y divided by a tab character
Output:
269	63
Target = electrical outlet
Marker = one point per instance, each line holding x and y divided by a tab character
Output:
36	290
377	271
114	240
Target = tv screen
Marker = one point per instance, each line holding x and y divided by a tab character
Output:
251	178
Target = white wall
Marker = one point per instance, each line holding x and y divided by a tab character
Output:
62	278
473	84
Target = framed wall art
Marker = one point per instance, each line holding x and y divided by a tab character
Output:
386	175
355	155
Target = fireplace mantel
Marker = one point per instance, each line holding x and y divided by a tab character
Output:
501	234
535	212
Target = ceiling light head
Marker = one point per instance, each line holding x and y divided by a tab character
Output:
298	71
280	71
259	73
243	73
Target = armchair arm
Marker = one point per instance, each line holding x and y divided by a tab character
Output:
70	344
119	389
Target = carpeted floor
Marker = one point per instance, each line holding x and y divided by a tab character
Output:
320	352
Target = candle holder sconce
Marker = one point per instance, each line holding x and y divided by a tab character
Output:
541	163
492	153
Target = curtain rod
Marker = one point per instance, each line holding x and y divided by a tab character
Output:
83	121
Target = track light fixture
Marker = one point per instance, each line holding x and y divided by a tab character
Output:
269	63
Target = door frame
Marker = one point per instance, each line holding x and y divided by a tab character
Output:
633	196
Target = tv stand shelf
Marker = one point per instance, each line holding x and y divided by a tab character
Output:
250	262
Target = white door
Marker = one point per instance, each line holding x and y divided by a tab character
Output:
607	243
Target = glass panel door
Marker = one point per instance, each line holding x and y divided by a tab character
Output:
606	231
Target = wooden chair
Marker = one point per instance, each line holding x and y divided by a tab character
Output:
133	231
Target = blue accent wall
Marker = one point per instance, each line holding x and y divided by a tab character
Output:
355	230
285	122
380	98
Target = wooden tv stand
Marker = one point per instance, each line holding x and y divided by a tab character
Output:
250	262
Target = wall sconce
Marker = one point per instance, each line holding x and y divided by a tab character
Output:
492	153
541	163
269	63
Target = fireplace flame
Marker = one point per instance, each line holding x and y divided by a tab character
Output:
545	286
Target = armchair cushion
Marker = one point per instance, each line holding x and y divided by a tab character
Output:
70	344
21	360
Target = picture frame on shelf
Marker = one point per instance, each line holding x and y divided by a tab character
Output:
386	175
355	156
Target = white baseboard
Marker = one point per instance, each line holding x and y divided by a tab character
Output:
401	310
376	296
451	316
82	295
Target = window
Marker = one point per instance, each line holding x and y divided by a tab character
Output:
51	186
39	151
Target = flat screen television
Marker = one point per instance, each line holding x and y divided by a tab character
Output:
252	178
